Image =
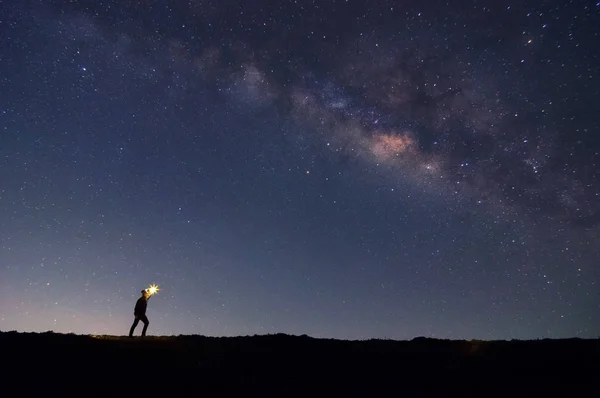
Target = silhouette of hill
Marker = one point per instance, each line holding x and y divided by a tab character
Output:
282	365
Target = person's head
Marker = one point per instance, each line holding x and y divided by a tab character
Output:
145	293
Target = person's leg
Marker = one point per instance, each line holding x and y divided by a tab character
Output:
144	319
135	323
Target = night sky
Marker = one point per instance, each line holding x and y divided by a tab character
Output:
346	169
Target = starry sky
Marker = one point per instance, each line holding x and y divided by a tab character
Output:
343	169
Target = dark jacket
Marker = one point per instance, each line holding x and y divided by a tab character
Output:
140	307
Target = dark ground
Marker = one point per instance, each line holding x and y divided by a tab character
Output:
60	365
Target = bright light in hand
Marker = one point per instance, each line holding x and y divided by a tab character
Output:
152	289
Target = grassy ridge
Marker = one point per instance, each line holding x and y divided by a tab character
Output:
280	364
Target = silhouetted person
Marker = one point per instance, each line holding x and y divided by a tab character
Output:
140	313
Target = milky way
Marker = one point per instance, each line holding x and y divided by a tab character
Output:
436	107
